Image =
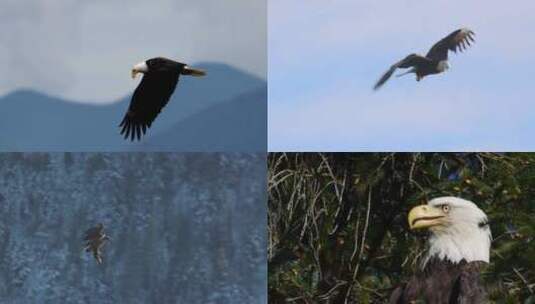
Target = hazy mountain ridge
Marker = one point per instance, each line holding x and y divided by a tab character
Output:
32	121
230	132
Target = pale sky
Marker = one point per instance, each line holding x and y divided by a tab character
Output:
84	50
325	57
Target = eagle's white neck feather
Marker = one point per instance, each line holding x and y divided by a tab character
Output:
462	242
466	237
443	66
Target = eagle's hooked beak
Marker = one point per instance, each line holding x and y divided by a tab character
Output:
425	216
193	72
139	68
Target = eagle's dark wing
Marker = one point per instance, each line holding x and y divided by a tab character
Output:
410	61
410	291
442	282
151	95
92	233
95	246
397	295
457	40
468	288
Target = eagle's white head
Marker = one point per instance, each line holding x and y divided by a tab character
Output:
459	229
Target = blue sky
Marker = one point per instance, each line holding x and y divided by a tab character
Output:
325	57
84	50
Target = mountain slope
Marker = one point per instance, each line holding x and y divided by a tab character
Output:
31	121
239	124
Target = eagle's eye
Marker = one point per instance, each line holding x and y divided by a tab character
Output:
153	63
445	208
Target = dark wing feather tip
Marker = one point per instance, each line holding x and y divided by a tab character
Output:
385	77
457	40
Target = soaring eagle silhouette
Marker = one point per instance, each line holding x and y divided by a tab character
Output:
95	238
152	94
436	60
459	247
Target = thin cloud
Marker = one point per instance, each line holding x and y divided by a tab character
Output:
83	50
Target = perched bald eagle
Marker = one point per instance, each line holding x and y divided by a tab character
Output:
95	239
436	60
459	246
152	94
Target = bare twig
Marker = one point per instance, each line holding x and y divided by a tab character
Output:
523	280
362	243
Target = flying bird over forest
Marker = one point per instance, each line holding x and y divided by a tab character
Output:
152	94
435	61
95	238
459	247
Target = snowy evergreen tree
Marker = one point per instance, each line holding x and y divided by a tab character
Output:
185	228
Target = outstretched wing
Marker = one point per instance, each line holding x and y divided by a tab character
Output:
410	61
92	233
458	40
149	98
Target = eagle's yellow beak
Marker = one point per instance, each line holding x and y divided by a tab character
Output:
193	72
425	216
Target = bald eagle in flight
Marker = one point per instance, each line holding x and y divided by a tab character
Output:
436	60
152	94
459	246
95	238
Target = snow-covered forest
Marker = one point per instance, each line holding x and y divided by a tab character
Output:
185	228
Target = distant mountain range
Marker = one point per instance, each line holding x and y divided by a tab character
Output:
225	111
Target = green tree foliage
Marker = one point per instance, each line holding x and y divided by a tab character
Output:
338	231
